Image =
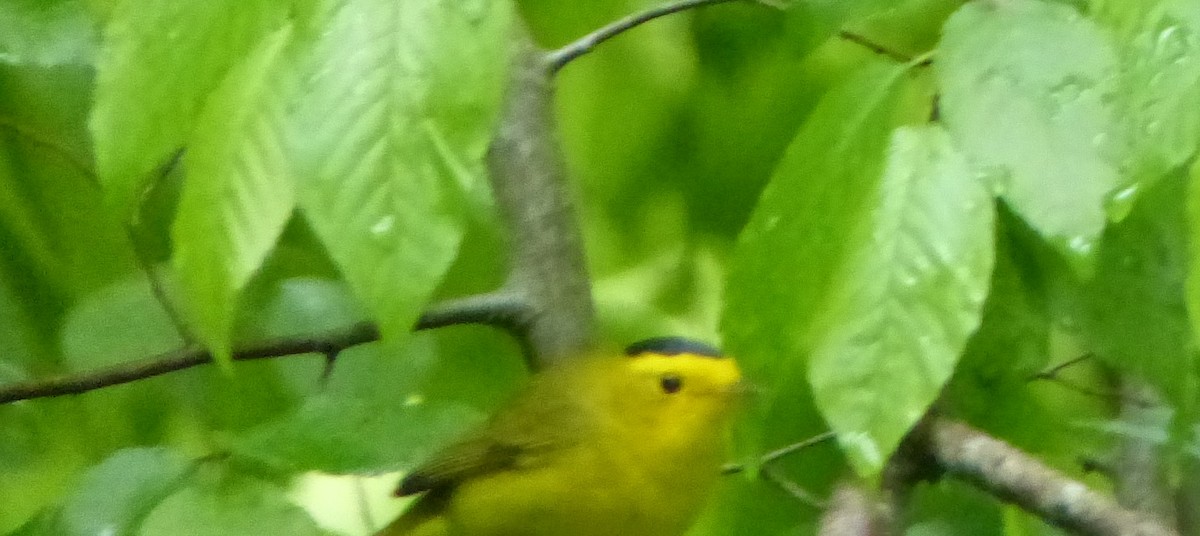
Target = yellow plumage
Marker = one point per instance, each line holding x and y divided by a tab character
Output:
599	446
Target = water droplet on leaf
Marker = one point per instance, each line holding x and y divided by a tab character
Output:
383	226
1119	203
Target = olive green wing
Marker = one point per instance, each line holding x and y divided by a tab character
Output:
521	435
422	519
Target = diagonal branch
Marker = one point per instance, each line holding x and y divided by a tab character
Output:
504	310
1014	476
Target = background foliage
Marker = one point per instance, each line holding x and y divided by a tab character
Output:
1008	187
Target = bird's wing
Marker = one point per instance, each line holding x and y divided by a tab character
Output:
518	436
422	519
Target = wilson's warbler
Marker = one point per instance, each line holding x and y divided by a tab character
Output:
597	446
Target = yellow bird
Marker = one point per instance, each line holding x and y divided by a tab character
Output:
597	446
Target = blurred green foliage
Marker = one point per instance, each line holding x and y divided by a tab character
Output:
813	185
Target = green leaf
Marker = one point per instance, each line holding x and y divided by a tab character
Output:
1014	335
45	32
392	88
114	496
371	416
1159	41
142	115
345	435
991	387
742	506
55	243
951	507
290	306
1027	91
239	192
116	324
791	249
221	505
909	296
1133	313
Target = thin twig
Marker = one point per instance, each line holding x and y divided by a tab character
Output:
327	370
1092	464
775	455
877	48
37	138
784	451
1094	393
501	310
1052	372
141	258
775	476
557	59
157	288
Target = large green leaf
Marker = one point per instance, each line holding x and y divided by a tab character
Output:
789	253
115	495
239	192
371	416
390	90
1133	312
125	322
909	296
1159	41
55	242
1192	276
992	386
116	324
45	32
224	504
1027	92
160	60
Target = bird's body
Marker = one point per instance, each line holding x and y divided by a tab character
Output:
597	447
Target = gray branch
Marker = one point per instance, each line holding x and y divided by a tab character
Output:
528	176
1016	477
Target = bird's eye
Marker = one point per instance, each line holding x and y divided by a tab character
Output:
671	383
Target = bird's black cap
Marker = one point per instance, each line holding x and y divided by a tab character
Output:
672	346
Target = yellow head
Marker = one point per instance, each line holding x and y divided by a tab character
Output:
673	392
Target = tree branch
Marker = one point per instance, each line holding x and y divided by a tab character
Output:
852	513
1016	477
557	59
1140	479
528	175
503	310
